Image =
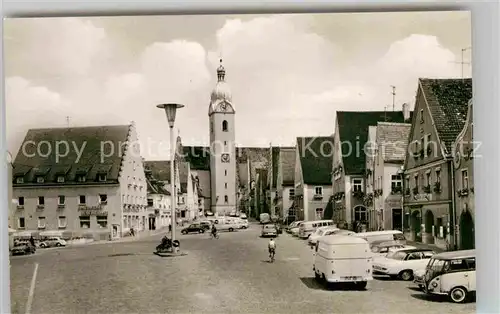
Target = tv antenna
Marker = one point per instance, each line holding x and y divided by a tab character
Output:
462	62
393	97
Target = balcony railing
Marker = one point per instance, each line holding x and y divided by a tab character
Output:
318	196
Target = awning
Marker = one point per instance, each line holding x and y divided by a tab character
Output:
23	234
11	231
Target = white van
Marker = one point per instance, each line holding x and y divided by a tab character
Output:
343	259
452	274
386	235
306	228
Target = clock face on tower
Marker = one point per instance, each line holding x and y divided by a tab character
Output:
224	158
223	106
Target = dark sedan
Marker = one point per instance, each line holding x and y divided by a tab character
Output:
23	248
193	228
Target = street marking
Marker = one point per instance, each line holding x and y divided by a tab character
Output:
292	259
32	290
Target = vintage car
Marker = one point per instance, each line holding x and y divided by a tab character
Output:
193	228
403	263
23	248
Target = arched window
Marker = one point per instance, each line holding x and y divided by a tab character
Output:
224	126
360	213
226	199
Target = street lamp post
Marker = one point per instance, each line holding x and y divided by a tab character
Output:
170	111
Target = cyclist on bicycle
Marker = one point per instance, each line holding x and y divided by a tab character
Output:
214	231
272	247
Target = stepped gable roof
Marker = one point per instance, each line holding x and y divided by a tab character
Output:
99	150
287	159
353	132
393	137
447	100
316	159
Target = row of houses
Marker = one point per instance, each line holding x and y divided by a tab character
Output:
383	170
93	193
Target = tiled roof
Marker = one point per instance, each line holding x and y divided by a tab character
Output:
393	137
160	169
447	100
287	159
94	144
275	151
154	186
315	155
353	130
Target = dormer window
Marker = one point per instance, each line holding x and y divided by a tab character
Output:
421	116
40	180
81	178
60	179
19	180
101	177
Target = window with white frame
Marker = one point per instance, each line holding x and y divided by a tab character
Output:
421	115
82	200
62	222
438	175
41	222
102	177
291	193
19	180
357	185
360	213
396	181
20	201
318	190
60	179
61	200
85	222
21	223
40	180
102	221
465	179
319	213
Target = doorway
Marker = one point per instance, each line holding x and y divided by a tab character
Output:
397	219
467	238
152	223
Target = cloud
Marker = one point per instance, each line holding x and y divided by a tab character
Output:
30	106
286	80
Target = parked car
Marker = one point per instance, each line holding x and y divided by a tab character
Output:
23	248
294	224
206	224
264	218
228	226
269	230
403	263
243	216
419	278
295	230
383	248
52	242
243	223
452	274
193	228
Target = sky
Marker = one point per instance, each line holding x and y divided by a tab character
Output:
288	74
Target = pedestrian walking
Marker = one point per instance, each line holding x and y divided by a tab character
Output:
170	228
32	241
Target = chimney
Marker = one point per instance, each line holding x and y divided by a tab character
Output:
406	112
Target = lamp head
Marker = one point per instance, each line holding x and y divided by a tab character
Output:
170	111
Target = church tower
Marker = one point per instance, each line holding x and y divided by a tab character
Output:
221	114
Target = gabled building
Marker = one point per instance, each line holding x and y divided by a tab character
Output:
286	182
429	202
463	162
391	144
272	181
80	181
312	178
349	162
159	202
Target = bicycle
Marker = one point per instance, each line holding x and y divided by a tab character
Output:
271	255
214	236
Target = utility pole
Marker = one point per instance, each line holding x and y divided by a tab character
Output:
393	97
67	121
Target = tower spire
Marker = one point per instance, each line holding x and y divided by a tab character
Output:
221	72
